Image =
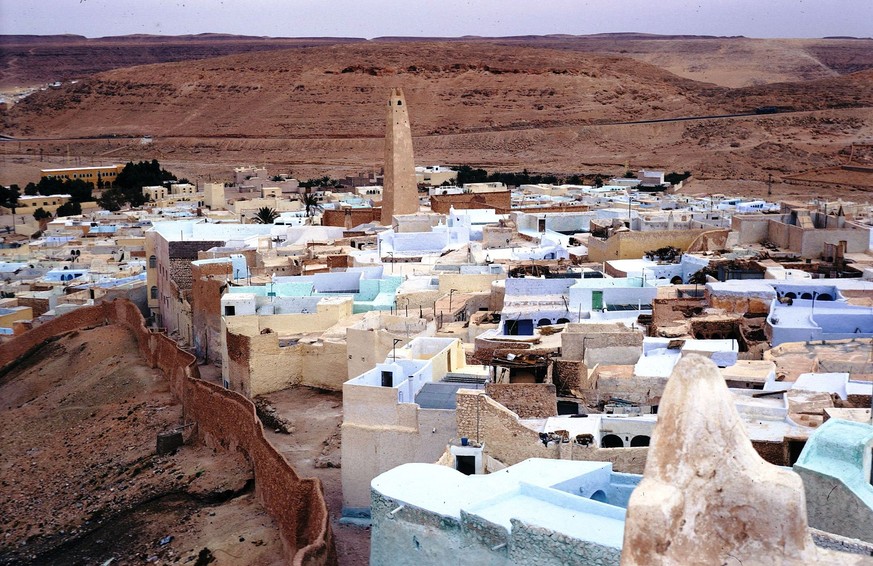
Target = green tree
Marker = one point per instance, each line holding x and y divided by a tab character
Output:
311	204
41	214
69	209
135	176
9	197
266	215
111	200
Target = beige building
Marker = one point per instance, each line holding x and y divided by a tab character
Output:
398	412
213	196
435	175
30	204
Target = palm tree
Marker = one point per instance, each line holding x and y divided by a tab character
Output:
310	203
266	215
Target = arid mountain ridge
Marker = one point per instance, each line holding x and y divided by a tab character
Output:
546	103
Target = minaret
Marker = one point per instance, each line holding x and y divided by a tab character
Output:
400	191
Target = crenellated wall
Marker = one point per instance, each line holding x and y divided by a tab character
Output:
223	418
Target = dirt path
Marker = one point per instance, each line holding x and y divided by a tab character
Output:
313	448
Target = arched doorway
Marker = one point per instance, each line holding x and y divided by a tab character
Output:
600	496
611	441
640	440
544	322
676	280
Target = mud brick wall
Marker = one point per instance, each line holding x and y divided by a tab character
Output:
223	419
350	218
181	254
527	400
497	200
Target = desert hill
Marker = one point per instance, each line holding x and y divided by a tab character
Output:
80	478
27	60
726	61
335	92
320	109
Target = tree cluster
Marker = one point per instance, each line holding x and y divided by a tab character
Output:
467	174
675	177
79	190
321	182
129	184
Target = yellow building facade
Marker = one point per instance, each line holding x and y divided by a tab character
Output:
105	173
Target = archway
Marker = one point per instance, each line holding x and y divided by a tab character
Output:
825	297
544	322
676	280
600	496
806	296
611	441
640	440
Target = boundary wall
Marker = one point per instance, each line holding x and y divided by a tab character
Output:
222	418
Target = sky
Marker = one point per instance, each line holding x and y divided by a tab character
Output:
441	18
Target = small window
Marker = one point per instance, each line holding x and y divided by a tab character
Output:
153	262
229	310
387	379
399	103
154	292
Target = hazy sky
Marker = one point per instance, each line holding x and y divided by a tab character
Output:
373	18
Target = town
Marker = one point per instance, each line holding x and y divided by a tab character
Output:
527	370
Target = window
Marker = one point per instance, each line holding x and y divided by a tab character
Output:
154	292
229	310
387	379
153	262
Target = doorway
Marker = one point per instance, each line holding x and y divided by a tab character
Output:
466	465
596	300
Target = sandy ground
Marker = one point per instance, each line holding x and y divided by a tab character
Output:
314	451
80	479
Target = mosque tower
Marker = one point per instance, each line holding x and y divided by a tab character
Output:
400	191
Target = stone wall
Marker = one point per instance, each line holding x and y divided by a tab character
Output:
223	419
568	375
496	200
482	419
181	254
527	400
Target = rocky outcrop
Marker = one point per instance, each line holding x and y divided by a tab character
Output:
707	497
